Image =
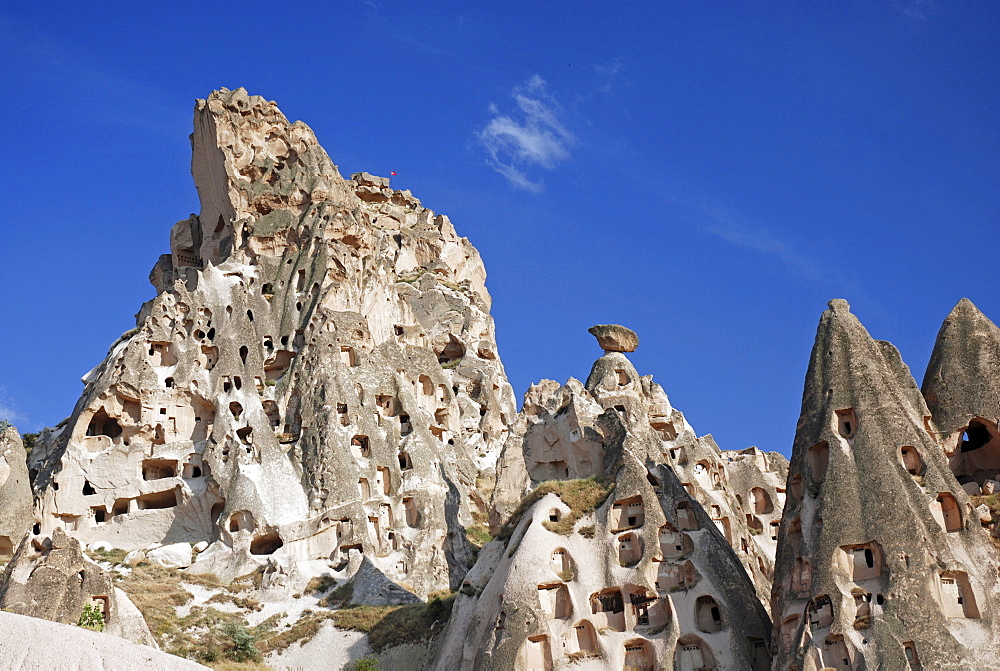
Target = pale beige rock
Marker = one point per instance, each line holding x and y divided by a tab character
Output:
134	557
634	584
983	513
316	378
878	560
51	578
972	489
175	555
33	644
15	492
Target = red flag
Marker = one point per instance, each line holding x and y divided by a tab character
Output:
392	172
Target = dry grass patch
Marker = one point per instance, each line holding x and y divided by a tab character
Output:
115	556
583	497
247	603
320	584
156	592
992	501
389	626
478	534
304	630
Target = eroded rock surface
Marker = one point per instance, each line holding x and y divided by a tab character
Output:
654	573
962	390
615	338
881	562
32	643
15	492
51	578
317	377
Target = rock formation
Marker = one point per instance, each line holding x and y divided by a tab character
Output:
32	643
962	390
15	491
51	578
881	563
615	337
316	378
315	391
619	555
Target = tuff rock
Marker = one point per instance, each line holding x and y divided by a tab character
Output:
881	561
962	390
15	491
315	391
51	578
316	378
615	338
33	643
664	570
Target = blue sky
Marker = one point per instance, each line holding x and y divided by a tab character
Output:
707	173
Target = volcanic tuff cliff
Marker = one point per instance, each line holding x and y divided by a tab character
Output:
627	550
15	491
882	560
315	392
316	378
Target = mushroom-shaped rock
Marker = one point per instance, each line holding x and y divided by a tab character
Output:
615	338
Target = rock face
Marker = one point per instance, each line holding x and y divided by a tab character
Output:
50	578
316	378
615	338
962	390
316	390
881	562
648	576
15	492
31	643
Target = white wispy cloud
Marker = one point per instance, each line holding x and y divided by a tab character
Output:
808	267
607	74
8	409
762	241
531	137
920	10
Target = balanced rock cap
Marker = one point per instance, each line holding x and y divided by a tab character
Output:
615	338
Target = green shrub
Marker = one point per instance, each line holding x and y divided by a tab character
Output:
242	644
91	618
478	534
365	664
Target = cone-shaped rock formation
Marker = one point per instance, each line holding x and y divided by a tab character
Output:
962	389
621	554
880	562
15	491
